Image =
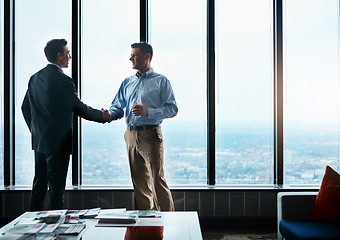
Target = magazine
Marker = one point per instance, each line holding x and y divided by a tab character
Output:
70	229
42	225
147	213
28	236
119	218
27	228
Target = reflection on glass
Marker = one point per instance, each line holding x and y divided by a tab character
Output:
29	58
144	232
180	55
311	90
244	92
105	64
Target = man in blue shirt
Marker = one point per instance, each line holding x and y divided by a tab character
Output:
148	99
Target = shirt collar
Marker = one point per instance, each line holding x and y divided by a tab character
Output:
145	74
56	66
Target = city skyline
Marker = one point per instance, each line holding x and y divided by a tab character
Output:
243	156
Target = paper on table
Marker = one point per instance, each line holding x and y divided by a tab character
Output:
50	228
116	216
70	228
52	212
146	213
111	211
27	228
140	222
33	217
92	212
14	236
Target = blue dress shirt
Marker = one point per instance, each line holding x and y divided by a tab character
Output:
151	90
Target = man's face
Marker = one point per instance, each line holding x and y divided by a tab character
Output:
65	58
138	59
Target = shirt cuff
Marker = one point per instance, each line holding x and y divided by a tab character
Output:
114	116
152	113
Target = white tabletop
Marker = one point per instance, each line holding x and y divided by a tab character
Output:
173	225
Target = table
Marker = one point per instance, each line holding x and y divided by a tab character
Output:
173	225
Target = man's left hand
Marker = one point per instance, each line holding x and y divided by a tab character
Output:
139	110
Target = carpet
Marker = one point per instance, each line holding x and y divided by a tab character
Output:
221	235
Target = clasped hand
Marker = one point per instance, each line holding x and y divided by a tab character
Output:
137	110
106	115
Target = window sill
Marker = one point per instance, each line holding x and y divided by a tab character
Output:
235	187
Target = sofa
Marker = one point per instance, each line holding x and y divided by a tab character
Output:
293	211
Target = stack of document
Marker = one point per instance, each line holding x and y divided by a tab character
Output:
45	225
117	216
147	213
122	217
81	214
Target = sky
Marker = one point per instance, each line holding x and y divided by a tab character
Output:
244	58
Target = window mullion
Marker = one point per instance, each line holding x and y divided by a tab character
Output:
278	92
9	133
211	92
143	20
76	75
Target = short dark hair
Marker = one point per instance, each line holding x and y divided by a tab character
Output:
144	48
53	47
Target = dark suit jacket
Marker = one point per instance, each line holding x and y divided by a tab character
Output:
50	100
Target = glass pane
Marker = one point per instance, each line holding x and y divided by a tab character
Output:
1	94
179	44
105	64
244	92
30	58
311	90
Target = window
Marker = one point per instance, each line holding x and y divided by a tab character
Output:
29	58
244	92
244	77
106	40
180	55
311	90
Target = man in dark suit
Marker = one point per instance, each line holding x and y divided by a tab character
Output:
50	100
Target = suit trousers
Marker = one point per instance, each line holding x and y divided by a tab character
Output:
50	172
145	152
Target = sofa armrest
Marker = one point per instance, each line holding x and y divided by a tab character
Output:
294	206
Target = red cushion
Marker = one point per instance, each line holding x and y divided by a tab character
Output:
327	203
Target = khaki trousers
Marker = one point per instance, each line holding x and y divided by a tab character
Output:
145	152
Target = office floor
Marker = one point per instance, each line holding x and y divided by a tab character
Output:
239	234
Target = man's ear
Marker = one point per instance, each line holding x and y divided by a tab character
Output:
59	55
148	56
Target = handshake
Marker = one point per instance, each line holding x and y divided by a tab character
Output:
137	110
106	115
